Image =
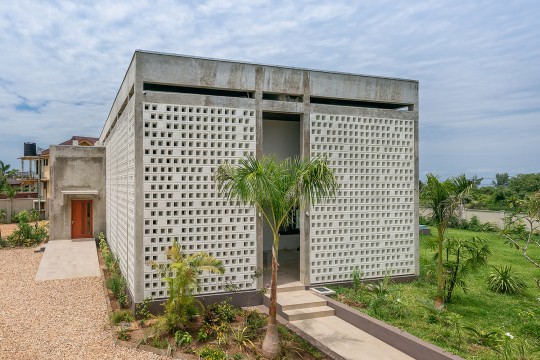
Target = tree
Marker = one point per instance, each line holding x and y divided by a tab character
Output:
276	188
181	272
10	192
461	257
522	227
501	180
444	199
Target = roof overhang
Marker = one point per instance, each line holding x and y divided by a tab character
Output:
79	192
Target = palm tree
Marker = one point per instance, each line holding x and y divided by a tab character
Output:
181	272
10	192
444	199
276	188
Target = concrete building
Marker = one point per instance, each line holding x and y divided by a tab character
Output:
176	118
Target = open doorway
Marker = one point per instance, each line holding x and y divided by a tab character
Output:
281	139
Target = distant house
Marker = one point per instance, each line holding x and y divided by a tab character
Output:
149	182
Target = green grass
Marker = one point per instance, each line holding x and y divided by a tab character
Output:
479	308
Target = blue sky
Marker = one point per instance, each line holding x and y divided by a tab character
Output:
478	63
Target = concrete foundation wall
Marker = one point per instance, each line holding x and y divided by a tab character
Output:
75	170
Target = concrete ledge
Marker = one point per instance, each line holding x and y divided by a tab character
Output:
399	339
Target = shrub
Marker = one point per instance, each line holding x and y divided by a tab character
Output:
211	353
255	321
504	281
357	277
25	234
222	312
117	285
118	316
182	338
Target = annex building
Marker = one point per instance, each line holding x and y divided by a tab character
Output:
176	118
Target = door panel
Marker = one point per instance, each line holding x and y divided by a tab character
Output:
81	219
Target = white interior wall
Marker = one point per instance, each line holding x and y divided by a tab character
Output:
282	139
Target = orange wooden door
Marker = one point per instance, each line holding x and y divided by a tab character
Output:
81	219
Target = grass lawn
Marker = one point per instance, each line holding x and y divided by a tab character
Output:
409	306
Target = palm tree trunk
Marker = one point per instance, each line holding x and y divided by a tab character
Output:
270	347
439	302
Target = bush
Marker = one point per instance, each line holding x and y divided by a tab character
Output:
211	353
117	285
222	312
25	234
504	281
118	316
255	321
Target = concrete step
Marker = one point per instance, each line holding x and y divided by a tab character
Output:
290	287
299	300
308	313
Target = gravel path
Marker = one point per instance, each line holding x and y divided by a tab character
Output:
59	319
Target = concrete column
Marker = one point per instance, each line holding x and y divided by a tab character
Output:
305	243
259	77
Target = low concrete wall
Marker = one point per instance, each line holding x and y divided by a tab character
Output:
13	206
484	216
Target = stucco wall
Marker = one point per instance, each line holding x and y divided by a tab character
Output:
75	168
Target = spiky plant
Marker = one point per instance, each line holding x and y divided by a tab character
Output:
503	280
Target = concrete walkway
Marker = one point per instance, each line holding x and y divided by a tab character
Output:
68	259
310	314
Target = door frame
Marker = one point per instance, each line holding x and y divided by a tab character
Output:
82	218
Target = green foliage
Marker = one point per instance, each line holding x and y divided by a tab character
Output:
504	281
203	334
462	256
255	321
444	199
141	310
123	334
118	316
212	353
117	285
222	312
242	337
479	308
357	277
159	342
3	216
484	337
182	338
181	272
25	234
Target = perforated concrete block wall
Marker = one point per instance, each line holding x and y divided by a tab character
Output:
120	192
183	146
369	225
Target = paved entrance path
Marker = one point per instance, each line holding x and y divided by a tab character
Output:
68	259
312	315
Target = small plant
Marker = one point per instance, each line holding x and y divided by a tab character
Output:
211	353
159	342
241	337
123	334
203	334
182	338
237	356
141	310
222	312
357	277
119	316
485	338
504	281
254	321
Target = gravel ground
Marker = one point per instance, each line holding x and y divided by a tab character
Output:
60	319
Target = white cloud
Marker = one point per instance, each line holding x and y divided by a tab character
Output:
477	64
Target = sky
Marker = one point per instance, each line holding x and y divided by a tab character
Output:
478	64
